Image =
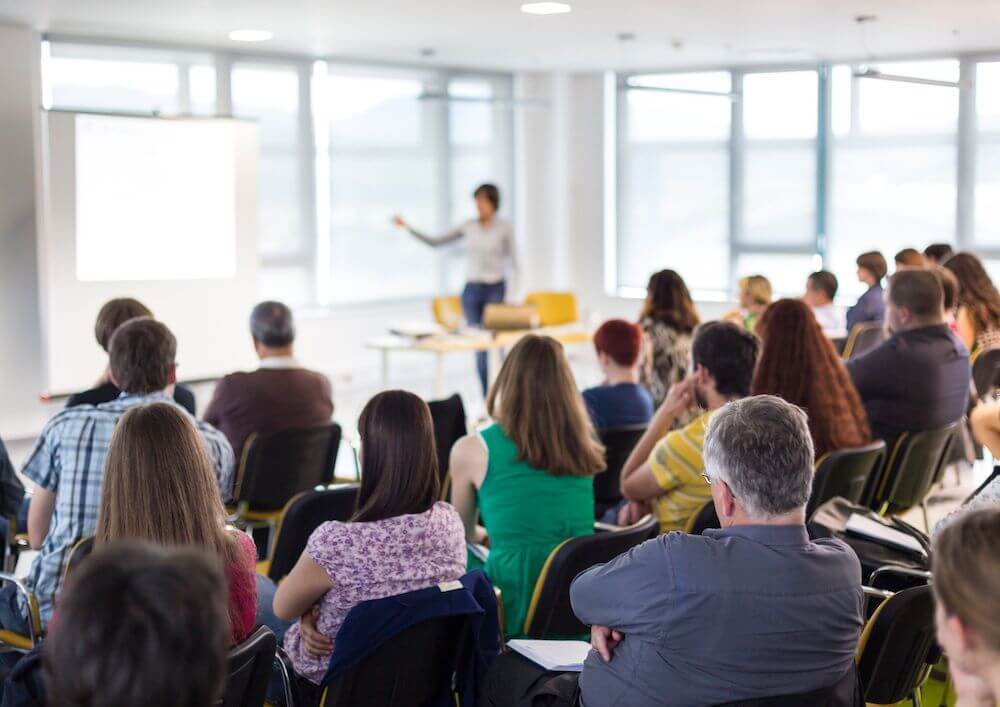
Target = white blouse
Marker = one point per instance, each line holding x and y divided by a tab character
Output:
489	248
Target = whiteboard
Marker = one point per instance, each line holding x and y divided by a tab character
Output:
163	210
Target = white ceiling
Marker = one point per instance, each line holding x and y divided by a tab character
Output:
495	34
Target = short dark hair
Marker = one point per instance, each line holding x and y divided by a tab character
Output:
826	281
938	252
142	353
140	625
490	192
619	339
873	262
729	353
949	286
271	324
919	291
115	313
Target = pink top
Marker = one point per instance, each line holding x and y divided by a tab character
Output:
375	560
240	575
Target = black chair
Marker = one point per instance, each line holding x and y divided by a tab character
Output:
78	553
897	647
248	670
863	337
705	518
550	613
449	420
301	516
845	473
986	371
618	444
408	670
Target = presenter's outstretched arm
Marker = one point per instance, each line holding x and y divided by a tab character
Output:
433	241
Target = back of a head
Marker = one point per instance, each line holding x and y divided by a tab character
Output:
824	281
669	301
728	353
919	291
398	455
271	324
621	340
873	262
910	258
938	252
761	448
949	286
976	290
139	626
536	402
758	288
113	314
142	353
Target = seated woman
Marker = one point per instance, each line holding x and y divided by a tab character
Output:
978	315
871	305
619	401
668	320
798	363
529	475
159	487
402	538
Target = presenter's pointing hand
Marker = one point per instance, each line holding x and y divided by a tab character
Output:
400	221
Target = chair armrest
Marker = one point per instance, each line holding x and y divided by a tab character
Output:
605	527
34	620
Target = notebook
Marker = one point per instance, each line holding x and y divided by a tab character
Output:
554	656
873	530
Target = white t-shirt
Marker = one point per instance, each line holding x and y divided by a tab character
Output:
489	249
832	320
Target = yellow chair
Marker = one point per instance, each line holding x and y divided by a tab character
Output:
448	311
18	642
554	308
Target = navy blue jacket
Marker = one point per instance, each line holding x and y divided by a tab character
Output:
870	308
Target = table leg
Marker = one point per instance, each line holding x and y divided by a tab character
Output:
439	376
385	368
493	357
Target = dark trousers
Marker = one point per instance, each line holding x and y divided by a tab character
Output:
475	297
514	681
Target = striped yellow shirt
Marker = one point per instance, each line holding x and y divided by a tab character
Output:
677	466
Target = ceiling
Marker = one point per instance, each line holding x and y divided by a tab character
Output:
495	34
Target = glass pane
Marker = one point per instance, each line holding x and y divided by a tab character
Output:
988	194
780	105
269	94
113	85
787	273
375	111
893	107
286	283
840	101
779	194
657	117
280	228
988	96
201	84
470	123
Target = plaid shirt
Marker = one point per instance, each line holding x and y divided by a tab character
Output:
68	460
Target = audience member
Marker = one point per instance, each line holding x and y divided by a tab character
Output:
705	620
978	315
529	475
668	318
139	625
871	305
949	289
11	491
280	394
918	378
67	463
937	253
112	315
908	259
619	401
798	363
985	419
821	288
966	569
755	296
401	538
159	488
664	469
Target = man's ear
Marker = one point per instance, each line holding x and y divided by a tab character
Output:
172	374
111	377
726	502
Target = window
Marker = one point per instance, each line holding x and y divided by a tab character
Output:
987	195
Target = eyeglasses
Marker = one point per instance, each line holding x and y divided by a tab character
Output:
707	478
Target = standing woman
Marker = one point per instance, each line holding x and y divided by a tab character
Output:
490	246
978	315
668	321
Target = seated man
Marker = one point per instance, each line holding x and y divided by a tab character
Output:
280	394
620	401
821	288
918	378
754	610
67	463
664	469
112	315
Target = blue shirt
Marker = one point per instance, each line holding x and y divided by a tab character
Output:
869	308
620	405
741	613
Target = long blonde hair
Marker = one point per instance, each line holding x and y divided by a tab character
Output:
159	486
536	402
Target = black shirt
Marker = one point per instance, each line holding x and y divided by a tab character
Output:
106	392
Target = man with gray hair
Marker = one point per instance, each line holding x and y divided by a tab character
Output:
280	394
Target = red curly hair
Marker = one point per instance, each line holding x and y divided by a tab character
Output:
798	363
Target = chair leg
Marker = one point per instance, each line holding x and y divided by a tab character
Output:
927	522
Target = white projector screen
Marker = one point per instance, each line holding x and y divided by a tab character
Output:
163	210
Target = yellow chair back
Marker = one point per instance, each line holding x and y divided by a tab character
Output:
448	311
554	308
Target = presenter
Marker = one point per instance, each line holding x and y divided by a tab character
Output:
489	243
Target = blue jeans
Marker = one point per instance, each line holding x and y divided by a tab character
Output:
475	297
265	609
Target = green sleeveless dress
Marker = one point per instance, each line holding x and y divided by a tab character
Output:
527	513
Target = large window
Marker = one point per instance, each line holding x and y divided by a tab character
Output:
987	194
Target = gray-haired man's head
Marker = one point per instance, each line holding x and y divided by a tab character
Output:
271	325
761	448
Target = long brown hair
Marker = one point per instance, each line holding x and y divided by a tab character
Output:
668	301
798	363
398	457
536	402
976	291
159	486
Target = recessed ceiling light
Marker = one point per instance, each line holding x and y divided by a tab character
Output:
250	35
545	8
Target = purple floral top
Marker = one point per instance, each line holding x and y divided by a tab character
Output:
375	560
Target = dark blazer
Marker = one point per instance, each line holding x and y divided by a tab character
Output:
107	392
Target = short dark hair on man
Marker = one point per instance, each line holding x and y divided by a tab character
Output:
139	625
490	192
873	262
919	291
826	281
271	324
115	313
938	252
142	353
729	353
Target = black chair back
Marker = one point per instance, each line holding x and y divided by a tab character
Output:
448	416
408	670
845	473
618	444
248	670
915	462
863	338
897	647
302	515
705	518
79	552
550	614
986	371
278	465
